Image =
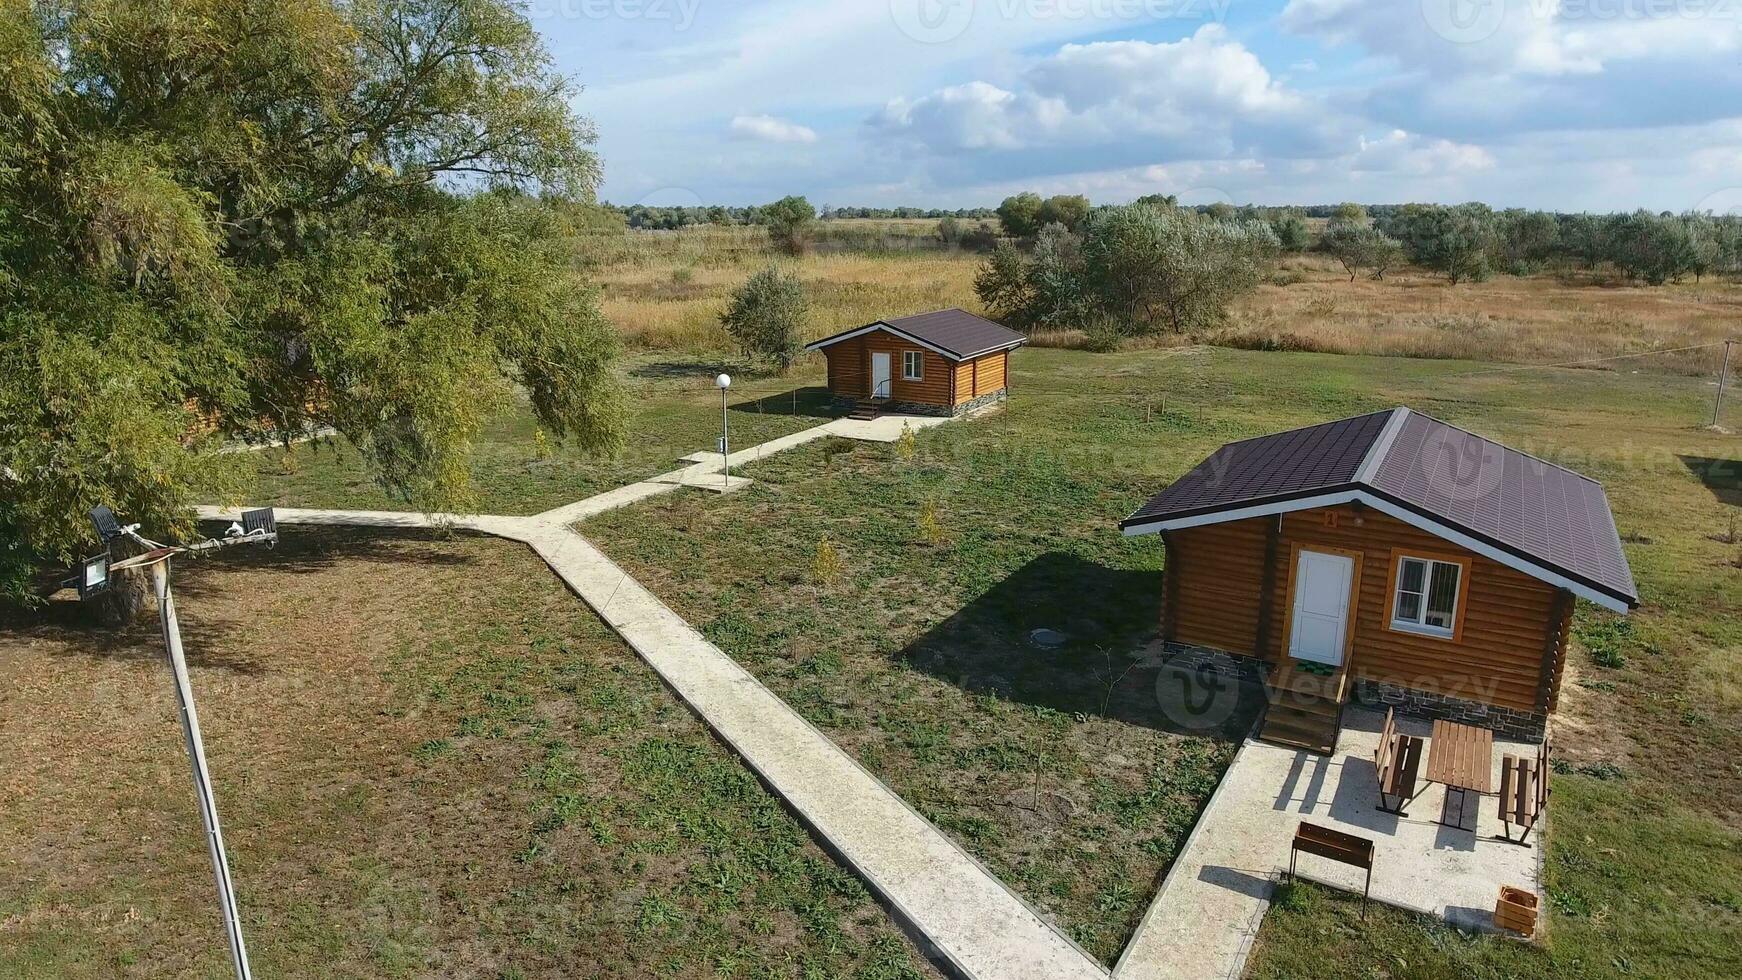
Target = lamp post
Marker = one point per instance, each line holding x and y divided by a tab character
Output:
93	576
724	381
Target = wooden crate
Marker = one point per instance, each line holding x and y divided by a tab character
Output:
1516	910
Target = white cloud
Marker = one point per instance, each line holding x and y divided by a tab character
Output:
1533	38
1566	103
1203	94
771	129
1399	152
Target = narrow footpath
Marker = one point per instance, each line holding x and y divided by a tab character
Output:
968	917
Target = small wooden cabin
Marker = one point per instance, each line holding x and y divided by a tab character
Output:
941	363
1423	566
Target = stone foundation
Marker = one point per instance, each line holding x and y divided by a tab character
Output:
1527	726
844	405
1206	660
981	402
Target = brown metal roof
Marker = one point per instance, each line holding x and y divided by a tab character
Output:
1275	467
956	334
1545	514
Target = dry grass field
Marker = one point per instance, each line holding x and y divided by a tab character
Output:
665	291
472	777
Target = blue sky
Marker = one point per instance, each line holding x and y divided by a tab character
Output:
1566	104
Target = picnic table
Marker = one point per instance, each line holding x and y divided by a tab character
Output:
1461	758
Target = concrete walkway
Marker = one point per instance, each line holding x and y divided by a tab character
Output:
966	915
886	428
1203	920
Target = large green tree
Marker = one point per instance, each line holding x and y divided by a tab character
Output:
226	219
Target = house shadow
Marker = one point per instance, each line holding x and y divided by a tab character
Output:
811	400
1099	666
1721	476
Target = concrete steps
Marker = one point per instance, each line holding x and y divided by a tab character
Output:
868	409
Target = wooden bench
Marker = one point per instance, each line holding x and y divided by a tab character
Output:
1397	760
1337	846
1524	791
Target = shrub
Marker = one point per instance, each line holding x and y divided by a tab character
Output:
930	528
1360	247
1291	232
766	317
1020	214
1460	242
827	567
1002	285
1166	268
789	223
1069	210
906	444
1104	335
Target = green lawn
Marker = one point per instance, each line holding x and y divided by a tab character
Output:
1054	767
674	410
457	770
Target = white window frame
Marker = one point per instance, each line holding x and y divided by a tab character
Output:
915	358
1420	624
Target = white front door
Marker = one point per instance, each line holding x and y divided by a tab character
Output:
1321	606
879	374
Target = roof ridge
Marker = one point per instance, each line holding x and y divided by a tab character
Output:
1512	449
1302	428
1376	452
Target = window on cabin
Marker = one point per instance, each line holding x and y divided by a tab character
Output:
912	365
1427	596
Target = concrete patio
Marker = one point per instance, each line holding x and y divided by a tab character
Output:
1209	908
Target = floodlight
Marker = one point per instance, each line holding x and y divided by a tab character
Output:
104	519
93	575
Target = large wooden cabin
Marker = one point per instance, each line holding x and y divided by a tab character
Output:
1423	566
946	362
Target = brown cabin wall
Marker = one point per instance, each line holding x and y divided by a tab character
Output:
848	368
982	376
944	383
1508	619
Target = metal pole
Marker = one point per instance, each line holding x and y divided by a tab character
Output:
190	726
1718	403
725	446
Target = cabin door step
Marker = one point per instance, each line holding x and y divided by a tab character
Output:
879	374
1320	627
